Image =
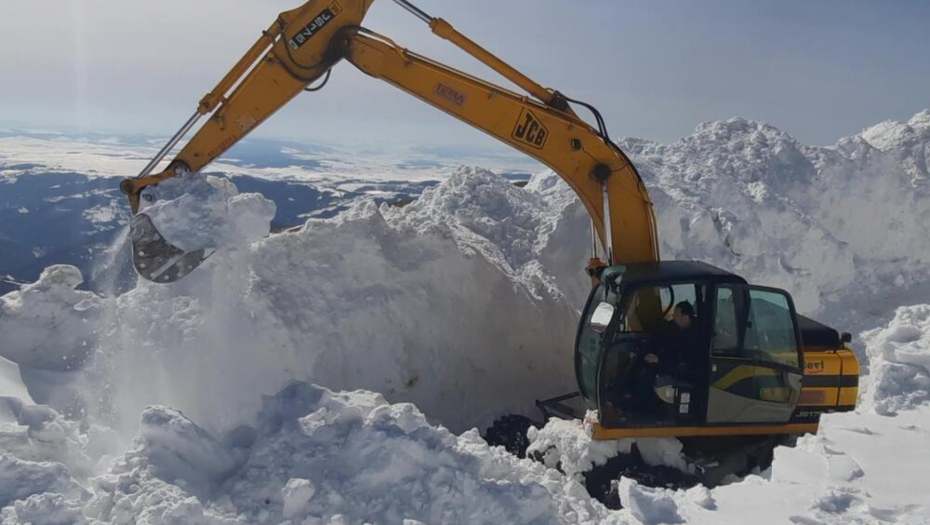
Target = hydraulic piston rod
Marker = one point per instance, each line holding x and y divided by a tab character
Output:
444	30
417	12
170	145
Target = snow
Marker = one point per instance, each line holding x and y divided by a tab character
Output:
314	456
102	213
324	165
565	444
900	374
11	382
296	495
348	303
50	324
819	222
650	506
407	328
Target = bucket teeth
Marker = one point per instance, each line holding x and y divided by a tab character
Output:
154	258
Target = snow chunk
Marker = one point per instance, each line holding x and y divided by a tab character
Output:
320	455
208	212
44	509
11	381
651	506
34	435
297	493
483	212
20	479
179	450
564	444
50	324
899	361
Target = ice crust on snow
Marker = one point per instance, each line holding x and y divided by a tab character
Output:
463	304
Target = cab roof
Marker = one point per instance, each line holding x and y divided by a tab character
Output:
680	271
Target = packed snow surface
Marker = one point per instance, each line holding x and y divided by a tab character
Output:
178	404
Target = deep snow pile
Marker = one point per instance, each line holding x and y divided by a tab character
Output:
376	298
383	299
464	304
845	229
825	223
310	455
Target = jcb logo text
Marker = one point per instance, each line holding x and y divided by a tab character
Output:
530	130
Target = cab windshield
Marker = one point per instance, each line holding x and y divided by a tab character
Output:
652	308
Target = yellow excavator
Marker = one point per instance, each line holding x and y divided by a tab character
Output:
753	366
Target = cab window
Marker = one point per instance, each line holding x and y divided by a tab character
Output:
651	307
588	346
726	340
770	329
755	324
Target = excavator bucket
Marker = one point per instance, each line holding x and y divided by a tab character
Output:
154	258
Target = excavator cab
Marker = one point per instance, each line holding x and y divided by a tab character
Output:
737	369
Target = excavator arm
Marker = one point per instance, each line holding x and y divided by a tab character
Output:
304	44
277	68
602	176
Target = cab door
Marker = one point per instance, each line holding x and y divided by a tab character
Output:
756	356
589	343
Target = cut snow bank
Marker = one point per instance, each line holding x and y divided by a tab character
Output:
443	304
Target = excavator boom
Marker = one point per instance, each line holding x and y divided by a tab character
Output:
302	46
602	176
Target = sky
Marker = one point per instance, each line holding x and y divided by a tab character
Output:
818	70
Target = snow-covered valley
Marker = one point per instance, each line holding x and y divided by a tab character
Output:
335	373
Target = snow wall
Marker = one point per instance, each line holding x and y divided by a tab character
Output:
465	302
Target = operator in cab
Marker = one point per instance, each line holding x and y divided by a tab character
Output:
677	342
676	353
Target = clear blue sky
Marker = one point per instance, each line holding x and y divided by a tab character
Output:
817	69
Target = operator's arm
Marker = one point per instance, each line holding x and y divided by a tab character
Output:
557	138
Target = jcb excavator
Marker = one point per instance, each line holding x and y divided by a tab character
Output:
755	367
